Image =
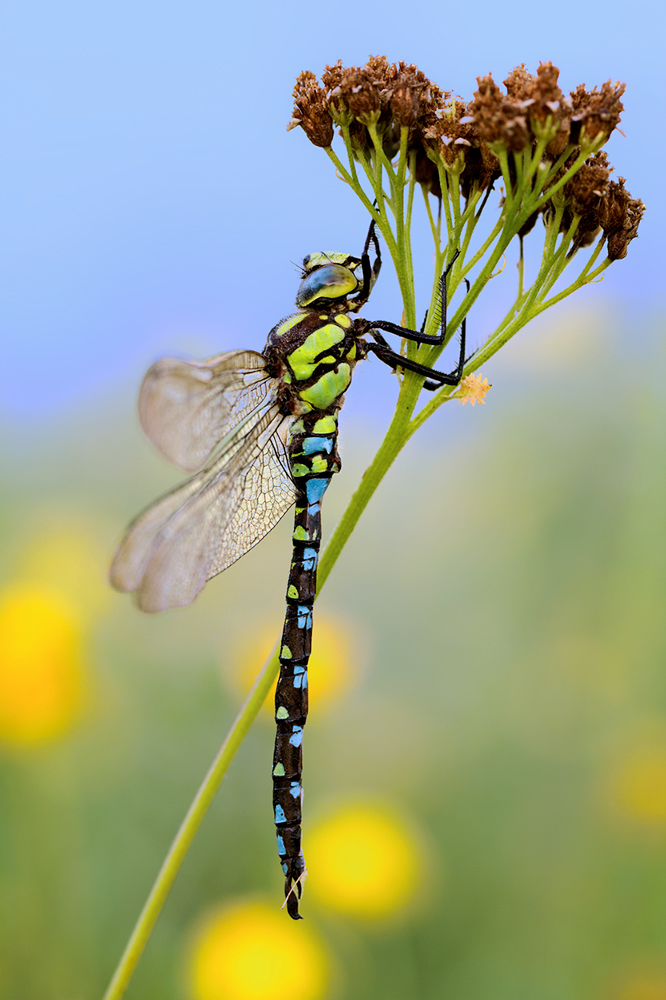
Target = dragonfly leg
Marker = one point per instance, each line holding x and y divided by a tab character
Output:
370	271
434	379
418	336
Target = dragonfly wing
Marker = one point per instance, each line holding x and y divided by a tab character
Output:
207	523
185	407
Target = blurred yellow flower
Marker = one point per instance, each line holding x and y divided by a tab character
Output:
41	669
364	861
472	390
64	554
638	785
330	674
644	987
252	951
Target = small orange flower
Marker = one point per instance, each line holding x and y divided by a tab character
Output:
472	390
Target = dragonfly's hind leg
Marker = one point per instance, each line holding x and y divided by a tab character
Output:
434	379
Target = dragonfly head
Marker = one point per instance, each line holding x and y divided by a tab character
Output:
327	276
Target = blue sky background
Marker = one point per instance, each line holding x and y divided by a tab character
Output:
153	200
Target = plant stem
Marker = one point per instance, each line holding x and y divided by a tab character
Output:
189	827
396	437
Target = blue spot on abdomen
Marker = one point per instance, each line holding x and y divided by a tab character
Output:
315	489
296	739
314	445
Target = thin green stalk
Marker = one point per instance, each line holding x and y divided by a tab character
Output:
403	265
408	226
506	330
189	827
444	184
573	169
433	225
485	246
353	184
350	154
521	272
502	156
591	276
534	161
396	437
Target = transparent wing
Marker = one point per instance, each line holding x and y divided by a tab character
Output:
187	407
207	523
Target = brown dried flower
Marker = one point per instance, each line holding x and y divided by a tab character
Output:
545	106
413	97
361	95
311	110
596	112
587	187
454	133
519	85
497	119
454	136
619	216
465	137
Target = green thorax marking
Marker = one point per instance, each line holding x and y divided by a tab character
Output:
302	359
286	325
328	388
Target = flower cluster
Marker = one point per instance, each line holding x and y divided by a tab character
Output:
602	205
469	145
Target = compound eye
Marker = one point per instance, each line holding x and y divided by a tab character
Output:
330	282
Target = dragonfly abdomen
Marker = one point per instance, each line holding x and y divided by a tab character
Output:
313	460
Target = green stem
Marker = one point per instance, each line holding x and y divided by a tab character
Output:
554	188
189	827
403	424
408	230
481	252
350	153
574	286
433	225
403	264
444	184
399	432
354	185
396	437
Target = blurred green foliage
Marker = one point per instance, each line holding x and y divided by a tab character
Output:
507	586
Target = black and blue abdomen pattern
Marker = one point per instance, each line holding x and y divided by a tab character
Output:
313	460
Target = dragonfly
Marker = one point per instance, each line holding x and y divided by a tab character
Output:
259	433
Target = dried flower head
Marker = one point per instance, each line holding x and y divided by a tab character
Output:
497	119
519	85
587	187
453	132
311	110
414	98
595	113
499	133
619	217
